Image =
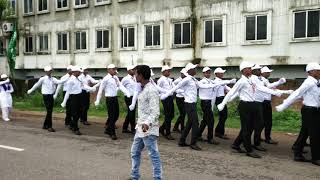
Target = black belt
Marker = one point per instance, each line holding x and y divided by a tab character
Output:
111	97
267	101
311	107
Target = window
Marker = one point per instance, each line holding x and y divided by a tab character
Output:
127	37
213	32
182	33
80	3
29	44
256	27
152	35
62	4
102	39
28	6
306	24
13	6
81	40
42	5
62	41
43	43
101	2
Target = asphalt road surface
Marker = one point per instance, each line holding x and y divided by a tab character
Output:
94	156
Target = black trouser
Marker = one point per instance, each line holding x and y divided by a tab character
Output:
208	119
310	120
85	105
48	102
248	114
223	115
75	103
258	124
193	122
67	119
131	116
267	118
301	140
113	114
168	108
182	112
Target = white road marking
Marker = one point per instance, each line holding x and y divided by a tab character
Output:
11	148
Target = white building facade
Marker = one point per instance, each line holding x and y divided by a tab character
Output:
95	33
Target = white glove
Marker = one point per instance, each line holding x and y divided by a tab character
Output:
232	81
63	104
55	96
164	96
29	91
128	95
221	106
280	108
278	94
179	91
96	103
287	92
282	80
131	107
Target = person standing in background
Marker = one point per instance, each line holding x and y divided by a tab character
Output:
6	89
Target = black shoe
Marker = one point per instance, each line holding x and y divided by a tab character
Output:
222	136
51	130
114	137
107	132
211	141
316	162
237	148
44	127
183	144
253	155
270	141
195	147
260	148
77	132
126	131
300	158
86	123
169	137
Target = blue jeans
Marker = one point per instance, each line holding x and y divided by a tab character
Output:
150	142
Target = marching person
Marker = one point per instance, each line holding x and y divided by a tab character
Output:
248	108
220	92
6	89
85	102
74	93
190	85
180	104
48	87
165	82
147	128
110	85
129	82
65	78
310	113
267	108
206	96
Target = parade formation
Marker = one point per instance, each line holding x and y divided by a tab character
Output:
143	94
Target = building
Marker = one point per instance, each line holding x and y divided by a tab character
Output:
94	33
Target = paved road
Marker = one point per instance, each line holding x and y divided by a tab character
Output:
93	156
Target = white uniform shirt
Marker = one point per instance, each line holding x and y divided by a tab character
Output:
130	83
175	82
261	89
48	84
220	90
206	93
309	91
165	83
87	79
74	85
5	95
148	111
245	89
269	85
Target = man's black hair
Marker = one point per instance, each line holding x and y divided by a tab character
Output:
144	70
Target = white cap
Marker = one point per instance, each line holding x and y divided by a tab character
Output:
245	64
256	66
111	66
130	67
152	74
84	68
75	68
205	69
219	70
47	68
69	67
164	68
190	66
184	71
265	69
312	66
4	76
